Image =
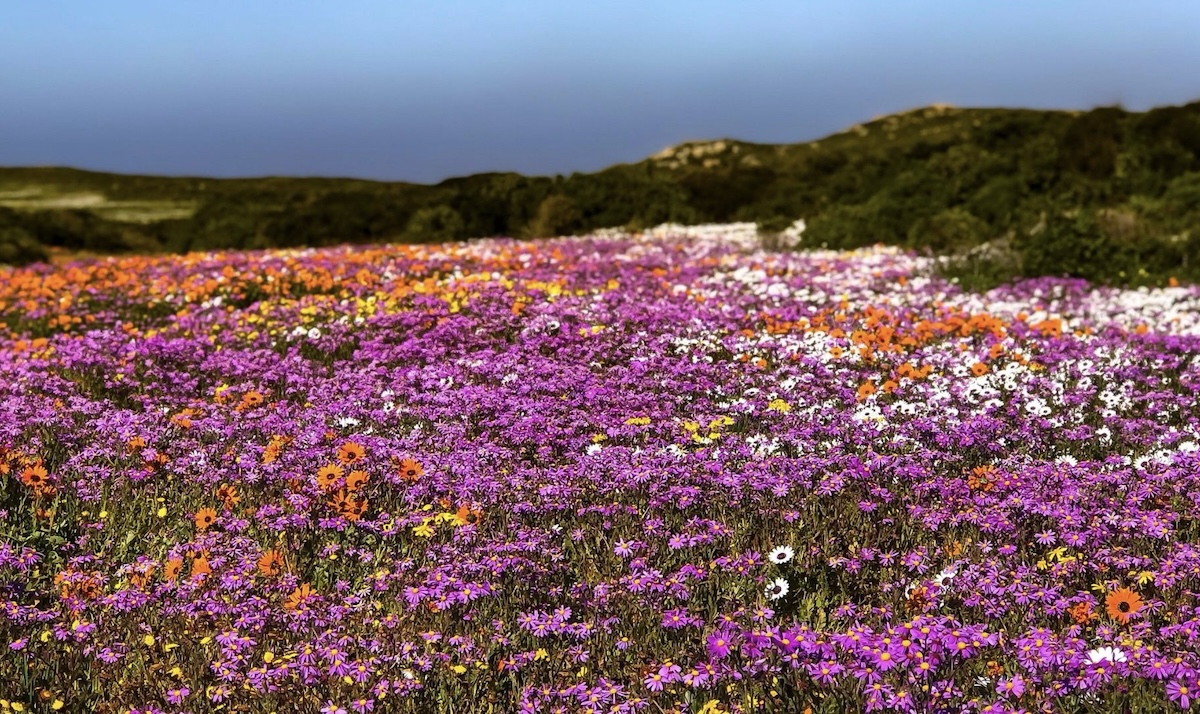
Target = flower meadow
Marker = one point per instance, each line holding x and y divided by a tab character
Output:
613	473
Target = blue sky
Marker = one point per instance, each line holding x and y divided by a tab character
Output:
422	90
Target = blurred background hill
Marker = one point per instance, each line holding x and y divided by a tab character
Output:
1108	195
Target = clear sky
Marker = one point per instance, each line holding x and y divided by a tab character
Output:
425	89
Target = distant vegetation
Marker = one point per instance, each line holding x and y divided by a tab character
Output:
1108	195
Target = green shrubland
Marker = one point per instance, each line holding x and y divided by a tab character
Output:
1108	195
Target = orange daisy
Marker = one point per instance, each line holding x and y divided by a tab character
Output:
350	453
328	475
355	480
1081	613
228	495
270	563
173	568
298	597
205	517
347	505
1122	604
467	516
200	566
982	478
410	470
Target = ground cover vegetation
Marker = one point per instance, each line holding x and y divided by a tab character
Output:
594	474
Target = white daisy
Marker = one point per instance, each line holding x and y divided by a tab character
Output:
782	554
777	588
943	578
1105	654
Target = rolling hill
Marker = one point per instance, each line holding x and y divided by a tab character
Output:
1109	195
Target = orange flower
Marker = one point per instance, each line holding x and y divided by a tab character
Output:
251	399
979	369
1081	613
228	495
467	516
350	453
173	568
1122	604
37	478
270	563
298	598
348	506
205	517
328	475
917	600
410	470
865	390
200	566
355	480
982	478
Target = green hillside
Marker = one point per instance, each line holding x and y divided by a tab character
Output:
1109	195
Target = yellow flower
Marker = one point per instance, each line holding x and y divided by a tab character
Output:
458	669
148	640
423	531
778	405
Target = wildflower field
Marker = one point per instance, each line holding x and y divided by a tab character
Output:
602	474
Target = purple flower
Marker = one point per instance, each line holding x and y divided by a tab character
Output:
1181	693
719	645
1011	687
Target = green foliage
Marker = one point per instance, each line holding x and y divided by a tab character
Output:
557	215
18	247
938	179
951	230
434	225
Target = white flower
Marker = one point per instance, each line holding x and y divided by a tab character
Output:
1105	654
314	333
781	554
777	588
944	577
